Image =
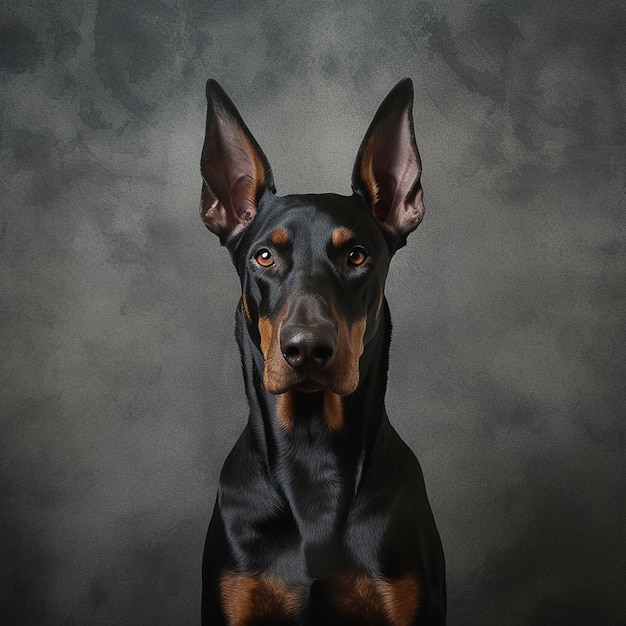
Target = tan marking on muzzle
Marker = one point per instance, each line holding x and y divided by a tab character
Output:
344	368
286	409
333	410
266	331
278	376
340	377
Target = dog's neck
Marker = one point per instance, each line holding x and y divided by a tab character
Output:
318	470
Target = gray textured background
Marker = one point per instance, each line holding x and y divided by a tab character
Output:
120	383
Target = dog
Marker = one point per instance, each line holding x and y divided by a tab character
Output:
321	514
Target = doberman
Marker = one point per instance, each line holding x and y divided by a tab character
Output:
321	514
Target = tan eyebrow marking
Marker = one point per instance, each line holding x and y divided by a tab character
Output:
342	236
279	236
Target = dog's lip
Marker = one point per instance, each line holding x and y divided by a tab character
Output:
308	386
307	383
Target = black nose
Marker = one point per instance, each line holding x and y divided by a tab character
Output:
311	346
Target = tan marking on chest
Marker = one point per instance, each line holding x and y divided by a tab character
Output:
248	598
393	601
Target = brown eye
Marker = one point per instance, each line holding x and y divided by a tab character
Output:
264	258
357	256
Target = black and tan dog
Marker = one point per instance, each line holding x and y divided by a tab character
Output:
321	514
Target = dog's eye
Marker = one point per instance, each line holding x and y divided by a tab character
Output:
357	256
264	258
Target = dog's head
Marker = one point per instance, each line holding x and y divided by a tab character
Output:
312	267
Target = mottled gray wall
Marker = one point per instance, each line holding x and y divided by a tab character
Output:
120	384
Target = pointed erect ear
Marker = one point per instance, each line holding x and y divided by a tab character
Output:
234	169
388	167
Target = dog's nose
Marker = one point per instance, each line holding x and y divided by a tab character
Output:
311	346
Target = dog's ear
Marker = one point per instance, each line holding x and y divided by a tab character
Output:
388	166
234	169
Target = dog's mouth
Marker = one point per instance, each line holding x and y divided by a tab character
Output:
308	386
310	382
305	384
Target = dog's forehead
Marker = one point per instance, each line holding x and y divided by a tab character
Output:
316	217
